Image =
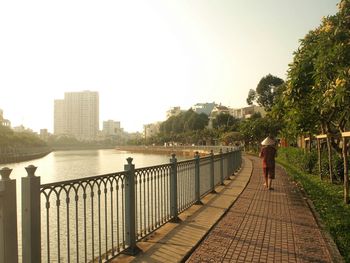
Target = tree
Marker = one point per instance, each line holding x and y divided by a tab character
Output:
183	127
228	138
265	92
318	85
256	128
225	122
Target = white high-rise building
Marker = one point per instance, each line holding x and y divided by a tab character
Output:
78	115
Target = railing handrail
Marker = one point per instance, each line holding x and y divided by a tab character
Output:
89	178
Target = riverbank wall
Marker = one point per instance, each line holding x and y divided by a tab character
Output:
81	147
178	150
14	155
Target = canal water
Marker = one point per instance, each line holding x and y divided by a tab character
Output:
69	165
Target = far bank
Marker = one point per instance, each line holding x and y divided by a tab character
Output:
178	150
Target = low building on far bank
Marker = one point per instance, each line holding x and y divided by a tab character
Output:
247	112
203	108
111	127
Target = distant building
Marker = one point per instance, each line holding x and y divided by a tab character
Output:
44	134
60	126
4	122
219	109
111	127
78	115
203	108
21	128
247	112
150	130
174	111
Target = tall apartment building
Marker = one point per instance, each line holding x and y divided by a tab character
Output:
78	115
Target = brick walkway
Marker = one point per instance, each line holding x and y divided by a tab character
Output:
265	226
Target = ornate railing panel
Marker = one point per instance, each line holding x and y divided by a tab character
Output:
204	170
152	198
83	219
185	184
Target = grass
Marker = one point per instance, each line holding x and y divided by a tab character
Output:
328	201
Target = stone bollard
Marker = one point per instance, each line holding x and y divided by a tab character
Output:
8	218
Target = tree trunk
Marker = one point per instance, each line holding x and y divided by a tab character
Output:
319	157
346	171
310	143
330	166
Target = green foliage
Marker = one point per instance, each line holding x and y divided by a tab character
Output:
317	95
9	138
256	128
304	161
225	122
337	165
229	138
265	93
184	122
328	201
191	128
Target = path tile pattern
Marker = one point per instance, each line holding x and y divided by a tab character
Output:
265	226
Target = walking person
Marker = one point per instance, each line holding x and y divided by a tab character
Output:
268	154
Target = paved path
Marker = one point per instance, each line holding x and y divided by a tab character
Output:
242	223
266	226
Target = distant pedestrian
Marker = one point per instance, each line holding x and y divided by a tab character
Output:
268	154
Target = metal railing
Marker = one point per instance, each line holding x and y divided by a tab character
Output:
94	219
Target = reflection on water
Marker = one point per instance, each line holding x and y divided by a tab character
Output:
68	165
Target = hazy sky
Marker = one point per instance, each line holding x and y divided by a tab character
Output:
144	57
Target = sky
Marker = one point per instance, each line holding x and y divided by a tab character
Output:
144	57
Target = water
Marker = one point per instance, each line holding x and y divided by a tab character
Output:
68	165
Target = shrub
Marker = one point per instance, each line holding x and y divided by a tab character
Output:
304	161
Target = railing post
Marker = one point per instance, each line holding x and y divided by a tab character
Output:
212	173
221	168
232	162
228	159
173	190
238	162
8	218
235	161
130	209
239	158
31	225
197	180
